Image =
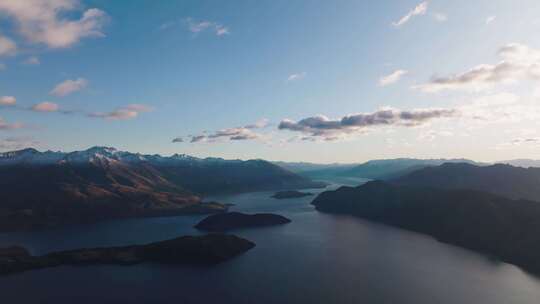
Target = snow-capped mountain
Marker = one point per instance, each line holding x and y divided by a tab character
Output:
96	154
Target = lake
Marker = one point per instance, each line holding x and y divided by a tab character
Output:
318	258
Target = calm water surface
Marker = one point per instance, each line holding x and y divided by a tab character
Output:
318	258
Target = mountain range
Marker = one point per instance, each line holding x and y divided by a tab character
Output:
504	180
44	189
505	228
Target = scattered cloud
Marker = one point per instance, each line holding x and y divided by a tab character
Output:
7	46
522	141
197	27
47	22
232	134
440	17
124	113
392	78
7	101
69	86
518	61
490	19
296	76
166	25
331	129
45	106
178	140
32	60
5	126
420	9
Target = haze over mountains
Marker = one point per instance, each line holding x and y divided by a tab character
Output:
43	189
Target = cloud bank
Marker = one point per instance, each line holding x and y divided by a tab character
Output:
331	129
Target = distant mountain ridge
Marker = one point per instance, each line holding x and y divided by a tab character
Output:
505	180
385	169
43	189
521	162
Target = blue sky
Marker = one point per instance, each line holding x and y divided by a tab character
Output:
250	79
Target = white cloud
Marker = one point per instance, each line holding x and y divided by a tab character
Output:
46	21
32	60
518	61
420	9
7	101
7	46
490	19
124	113
296	76
45	106
69	86
197	27
392	78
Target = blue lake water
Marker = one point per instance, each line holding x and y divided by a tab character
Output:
318	258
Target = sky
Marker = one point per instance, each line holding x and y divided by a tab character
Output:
318	81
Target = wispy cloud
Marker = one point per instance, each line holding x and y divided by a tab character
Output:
7	100
392	78
69	86
420	9
518	61
123	113
46	22
197	27
7	46
32	60
331	129
440	17
45	106
490	19
296	76
246	132
5	126
166	25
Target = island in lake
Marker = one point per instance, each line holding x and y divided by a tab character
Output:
236	220
290	194
207	249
